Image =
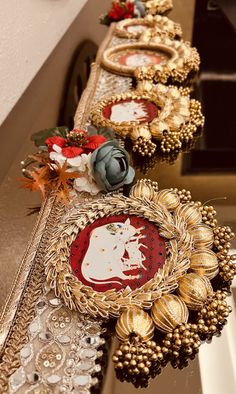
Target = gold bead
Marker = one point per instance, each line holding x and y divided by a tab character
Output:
140	357
204	262
190	214
167	197
203	236
141	365
134	321
194	290
118	353
164	349
168	312
146	370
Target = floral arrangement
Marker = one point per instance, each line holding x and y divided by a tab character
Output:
77	159
123	9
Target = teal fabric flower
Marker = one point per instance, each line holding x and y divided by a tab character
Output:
110	166
139	9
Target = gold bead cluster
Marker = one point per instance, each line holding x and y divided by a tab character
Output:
212	316
182	343
185	91
144	74
197	122
195	113
191	65
208	215
222	235
174	141
184	195
227	268
137	358
161	76
170	142
144	146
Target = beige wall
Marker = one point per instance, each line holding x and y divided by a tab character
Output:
30	30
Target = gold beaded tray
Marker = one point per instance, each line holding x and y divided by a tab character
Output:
159	59
150	114
134	28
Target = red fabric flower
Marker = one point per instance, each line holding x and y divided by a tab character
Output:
70	151
121	11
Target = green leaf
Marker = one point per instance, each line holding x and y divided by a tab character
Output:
105	20
40	136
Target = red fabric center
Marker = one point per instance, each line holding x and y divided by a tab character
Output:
116	272
154	58
151	109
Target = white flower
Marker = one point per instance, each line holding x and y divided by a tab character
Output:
84	184
78	162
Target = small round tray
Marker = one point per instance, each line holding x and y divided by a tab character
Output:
160	59
149	114
134	28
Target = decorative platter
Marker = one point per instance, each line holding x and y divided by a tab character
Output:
166	61
155	261
125	59
151	114
134	28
